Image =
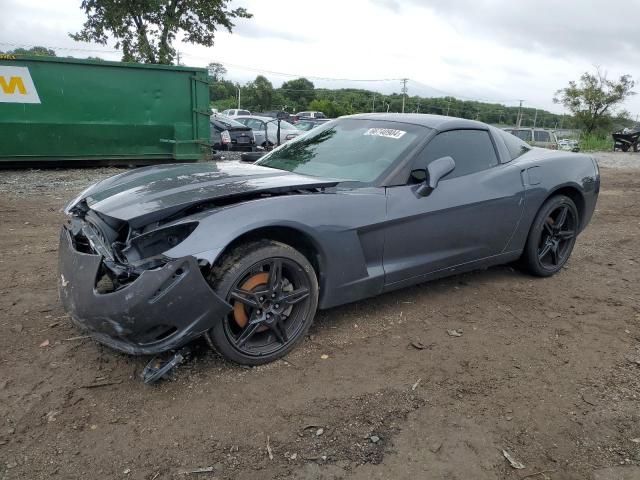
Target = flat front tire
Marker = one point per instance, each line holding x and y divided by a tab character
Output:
273	290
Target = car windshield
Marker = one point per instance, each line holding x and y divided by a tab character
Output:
522	134
304	126
226	121
347	149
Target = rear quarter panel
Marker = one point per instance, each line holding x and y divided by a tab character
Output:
545	173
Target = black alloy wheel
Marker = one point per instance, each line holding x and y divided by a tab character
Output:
557	237
552	236
273	290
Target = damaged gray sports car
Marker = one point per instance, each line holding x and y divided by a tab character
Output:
244	254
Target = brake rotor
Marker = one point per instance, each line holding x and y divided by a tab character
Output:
239	313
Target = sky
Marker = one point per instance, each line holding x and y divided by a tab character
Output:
490	50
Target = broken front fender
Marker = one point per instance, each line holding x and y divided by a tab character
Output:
162	309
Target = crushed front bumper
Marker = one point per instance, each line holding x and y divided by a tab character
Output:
162	309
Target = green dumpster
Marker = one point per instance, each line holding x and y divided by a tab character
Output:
60	110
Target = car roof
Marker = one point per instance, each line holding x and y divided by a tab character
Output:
437	122
259	117
530	128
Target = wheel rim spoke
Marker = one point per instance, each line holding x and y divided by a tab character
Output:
280	331
548	226
562	218
555	257
566	234
250	299
247	333
545	250
291	298
275	276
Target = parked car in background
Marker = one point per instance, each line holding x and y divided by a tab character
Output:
227	134
234	112
308	114
310	123
270	126
276	114
537	137
569	145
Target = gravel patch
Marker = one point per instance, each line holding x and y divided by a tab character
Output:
66	182
617	159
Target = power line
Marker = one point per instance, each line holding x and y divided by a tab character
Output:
293	75
298	75
70	49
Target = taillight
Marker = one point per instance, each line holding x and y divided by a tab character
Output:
225	137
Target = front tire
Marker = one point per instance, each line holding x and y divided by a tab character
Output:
551	237
274	293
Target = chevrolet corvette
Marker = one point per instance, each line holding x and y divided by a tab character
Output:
243	254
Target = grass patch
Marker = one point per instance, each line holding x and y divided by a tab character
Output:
596	143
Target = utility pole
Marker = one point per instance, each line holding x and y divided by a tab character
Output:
238	97
519	119
373	107
178	57
404	91
418	108
535	118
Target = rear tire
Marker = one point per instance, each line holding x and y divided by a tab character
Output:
274	291
552	237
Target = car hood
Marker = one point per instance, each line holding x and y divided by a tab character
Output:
152	193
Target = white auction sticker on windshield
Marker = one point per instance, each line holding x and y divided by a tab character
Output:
385	132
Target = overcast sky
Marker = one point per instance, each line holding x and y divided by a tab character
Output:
493	50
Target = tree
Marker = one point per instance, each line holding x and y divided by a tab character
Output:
259	93
217	71
36	50
146	29
298	93
330	108
593	99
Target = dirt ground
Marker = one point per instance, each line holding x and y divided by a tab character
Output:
545	369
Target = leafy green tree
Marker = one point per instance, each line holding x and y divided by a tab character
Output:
298	93
258	95
146	29
264	92
36	50
330	108
223	90
217	71
594	98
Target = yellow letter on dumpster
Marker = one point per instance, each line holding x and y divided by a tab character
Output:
15	83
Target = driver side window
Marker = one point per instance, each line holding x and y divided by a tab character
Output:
472	150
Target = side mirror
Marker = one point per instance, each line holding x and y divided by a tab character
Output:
435	171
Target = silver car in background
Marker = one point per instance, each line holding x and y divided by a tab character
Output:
234	112
269	126
536	137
